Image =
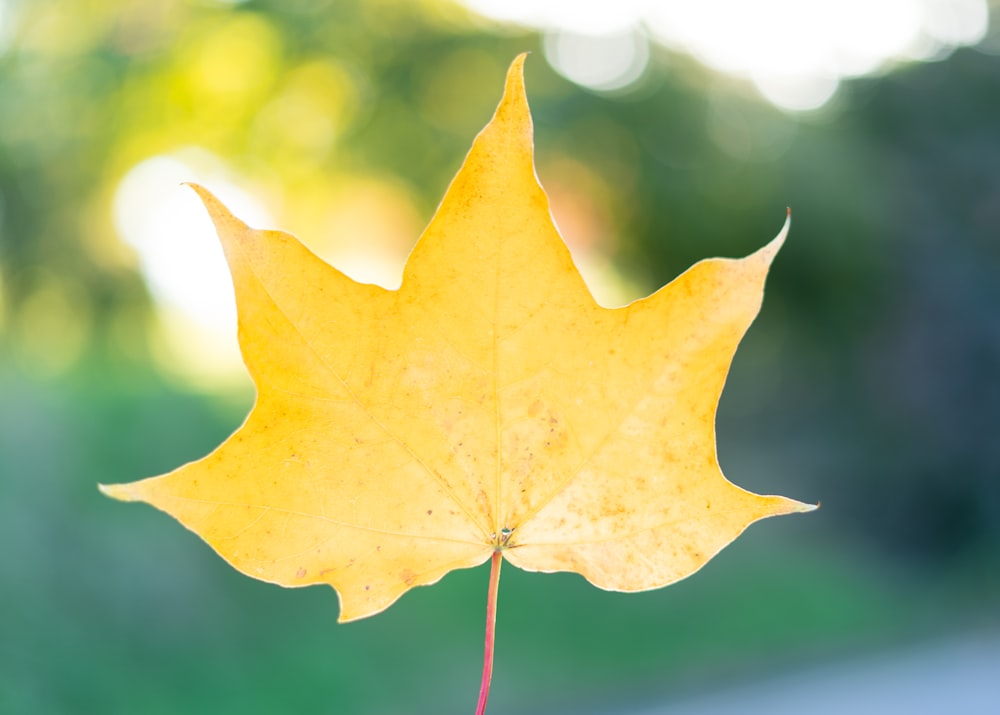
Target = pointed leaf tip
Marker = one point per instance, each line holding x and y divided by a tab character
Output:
115	491
505	146
515	98
792	506
771	248
216	209
803	508
228	227
515	74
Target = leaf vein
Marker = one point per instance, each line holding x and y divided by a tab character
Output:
442	482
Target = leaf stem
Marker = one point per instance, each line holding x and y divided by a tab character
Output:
491	620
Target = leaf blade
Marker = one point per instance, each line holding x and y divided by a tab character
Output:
488	404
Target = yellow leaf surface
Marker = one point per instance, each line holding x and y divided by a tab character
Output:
487	404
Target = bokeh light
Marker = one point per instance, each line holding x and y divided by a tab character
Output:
603	62
181	259
795	53
584	18
5	24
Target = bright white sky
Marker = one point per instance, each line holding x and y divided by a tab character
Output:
796	52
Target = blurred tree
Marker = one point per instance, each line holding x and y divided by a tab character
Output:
882	377
870	380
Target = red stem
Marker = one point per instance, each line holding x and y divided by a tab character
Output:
491	620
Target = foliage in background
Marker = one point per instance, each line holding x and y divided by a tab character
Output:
879	345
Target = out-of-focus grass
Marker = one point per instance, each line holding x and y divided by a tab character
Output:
116	609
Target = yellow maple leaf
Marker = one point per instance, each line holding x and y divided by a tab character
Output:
488	406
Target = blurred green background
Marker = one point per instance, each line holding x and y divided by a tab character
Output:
871	381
